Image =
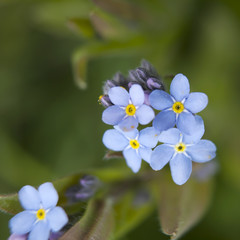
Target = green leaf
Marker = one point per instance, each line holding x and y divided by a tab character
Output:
81	26
82	55
10	204
181	207
97	222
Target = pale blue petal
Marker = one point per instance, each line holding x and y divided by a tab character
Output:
22	222
180	88
29	198
115	140
57	219
128	134
119	96
145	153
197	133
170	136
133	159
148	137
160	100
18	237
113	115
161	156
137	95
164	120
202	151
41	231
128	124
196	102
144	114
48	195
181	168
186	123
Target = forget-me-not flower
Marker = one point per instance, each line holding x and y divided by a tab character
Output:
180	150
128	109
179	107
135	146
41	216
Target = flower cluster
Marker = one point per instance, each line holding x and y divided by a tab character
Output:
130	102
41	219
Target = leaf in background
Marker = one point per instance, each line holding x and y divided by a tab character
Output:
122	9
10	204
97	222
181	207
82	56
108	27
81	26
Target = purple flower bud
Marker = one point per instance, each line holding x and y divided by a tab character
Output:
105	100
154	83
89	181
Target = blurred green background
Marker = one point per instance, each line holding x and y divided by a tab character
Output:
49	127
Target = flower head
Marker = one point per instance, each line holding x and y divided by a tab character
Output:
179	107
128	109
41	216
180	150
135	146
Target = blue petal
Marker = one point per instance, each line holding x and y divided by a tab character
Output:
148	137
170	136
113	115
18	237
48	195
197	133
164	120
57	219
128	134
128	124
29	198
145	153
160	100
40	231
202	151
119	96
22	222
196	102
161	156
133	159
137	95
115	140
180	88
186	123
181	168
144	114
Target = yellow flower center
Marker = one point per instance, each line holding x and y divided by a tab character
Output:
177	107
99	99
180	147
130	110
134	144
41	214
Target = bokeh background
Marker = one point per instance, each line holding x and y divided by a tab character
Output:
50	127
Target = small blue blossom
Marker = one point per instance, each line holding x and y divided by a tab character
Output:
179	107
135	146
41	216
128	109
180	150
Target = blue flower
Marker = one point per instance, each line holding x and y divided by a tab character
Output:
135	146
128	109
179	107
41	216
180	150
